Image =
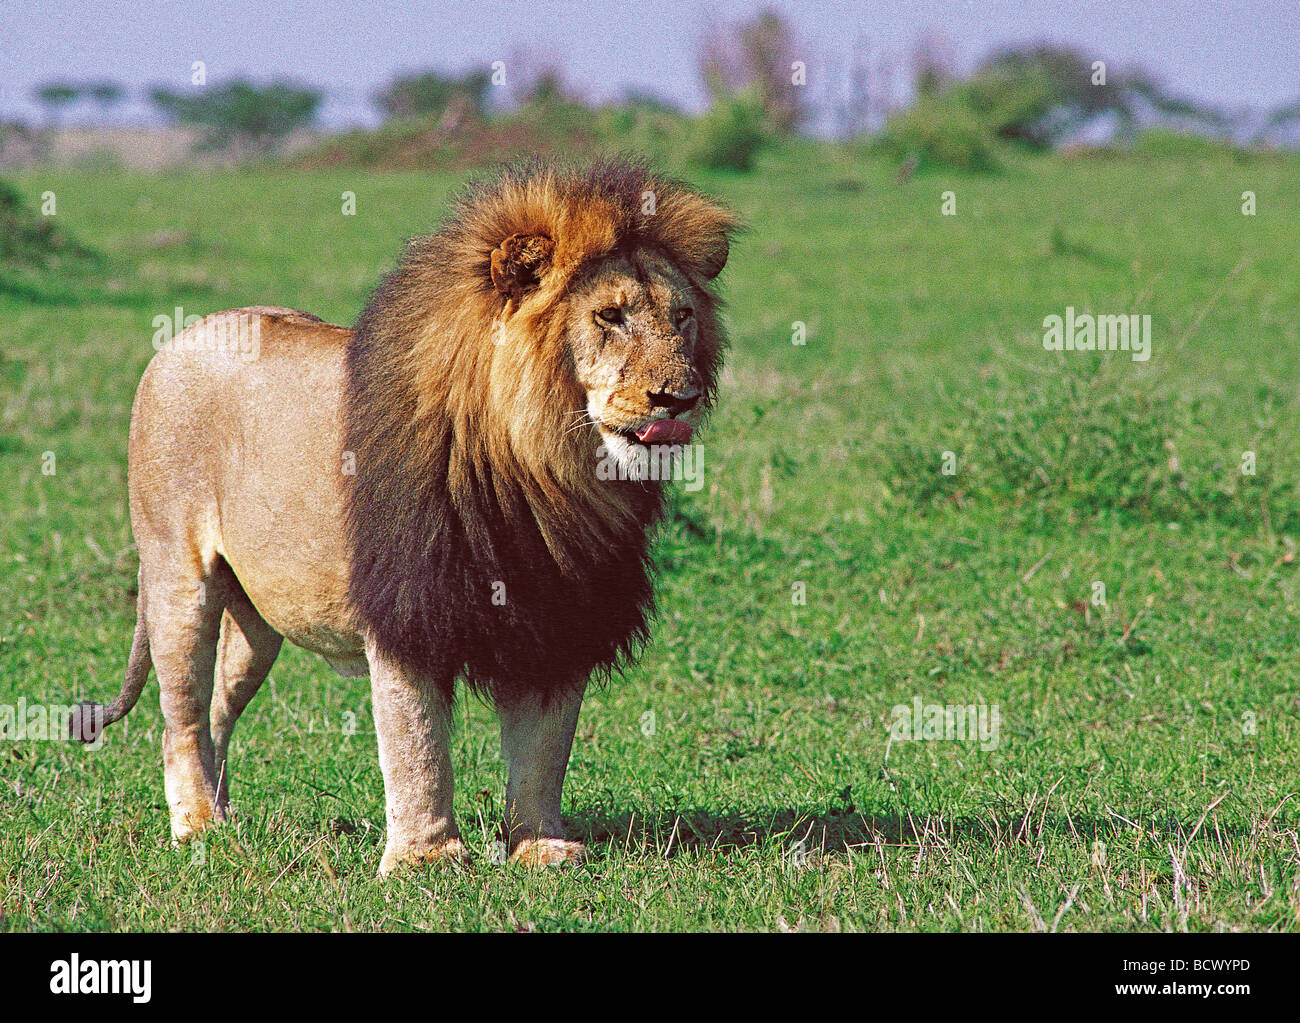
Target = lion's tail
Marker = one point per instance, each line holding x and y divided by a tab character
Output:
91	718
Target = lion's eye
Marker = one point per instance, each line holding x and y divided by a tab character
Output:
682	315
611	314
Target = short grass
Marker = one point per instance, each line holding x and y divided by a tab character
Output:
742	775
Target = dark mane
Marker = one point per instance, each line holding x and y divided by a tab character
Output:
449	507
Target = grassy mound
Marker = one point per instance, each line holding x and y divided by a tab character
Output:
29	240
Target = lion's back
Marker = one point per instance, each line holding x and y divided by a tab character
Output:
236	444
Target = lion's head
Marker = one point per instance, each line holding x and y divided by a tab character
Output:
558	317
612	270
639	353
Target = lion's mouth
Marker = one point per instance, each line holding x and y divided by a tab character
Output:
660	431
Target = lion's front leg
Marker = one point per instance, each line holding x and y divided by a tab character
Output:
536	737
412	724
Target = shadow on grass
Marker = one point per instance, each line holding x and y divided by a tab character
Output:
668	833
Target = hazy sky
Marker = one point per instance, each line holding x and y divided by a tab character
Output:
1231	53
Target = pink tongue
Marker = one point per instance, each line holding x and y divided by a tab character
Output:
665	431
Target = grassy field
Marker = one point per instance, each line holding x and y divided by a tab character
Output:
743	774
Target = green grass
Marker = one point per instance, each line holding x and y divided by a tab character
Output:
1129	789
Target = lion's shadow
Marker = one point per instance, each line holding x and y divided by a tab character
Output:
672	831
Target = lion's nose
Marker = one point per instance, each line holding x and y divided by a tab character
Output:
676	402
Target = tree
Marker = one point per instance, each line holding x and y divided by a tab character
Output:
1040	94
431	93
240	112
540	84
54	96
1144	91
105	93
1284	115
1281	126
932	60
757	57
546	89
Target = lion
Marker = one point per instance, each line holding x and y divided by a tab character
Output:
419	498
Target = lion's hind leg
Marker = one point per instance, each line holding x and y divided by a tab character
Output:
184	606
245	652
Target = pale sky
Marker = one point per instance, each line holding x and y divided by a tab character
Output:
1231	53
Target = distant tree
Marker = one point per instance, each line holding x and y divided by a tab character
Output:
637	99
1284	115
547	89
55	96
106	94
239	112
756	57
853	116
1019	103
1178	110
1282	124
1040	94
932	60
431	93
541	86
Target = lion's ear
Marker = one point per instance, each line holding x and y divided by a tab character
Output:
713	255
519	263
697	231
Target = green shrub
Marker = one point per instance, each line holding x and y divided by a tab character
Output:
430	93
1013	104
663	136
939	131
730	134
28	239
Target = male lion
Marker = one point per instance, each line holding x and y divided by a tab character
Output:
419	498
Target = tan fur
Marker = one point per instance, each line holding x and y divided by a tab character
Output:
328	486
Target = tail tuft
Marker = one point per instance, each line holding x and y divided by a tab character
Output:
89	719
87	722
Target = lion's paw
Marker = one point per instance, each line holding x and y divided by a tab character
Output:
452	852
548	852
188	824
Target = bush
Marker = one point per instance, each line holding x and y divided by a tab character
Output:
1015	104
28	239
557	130
663	136
939	131
730	134
1088	444
755	57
